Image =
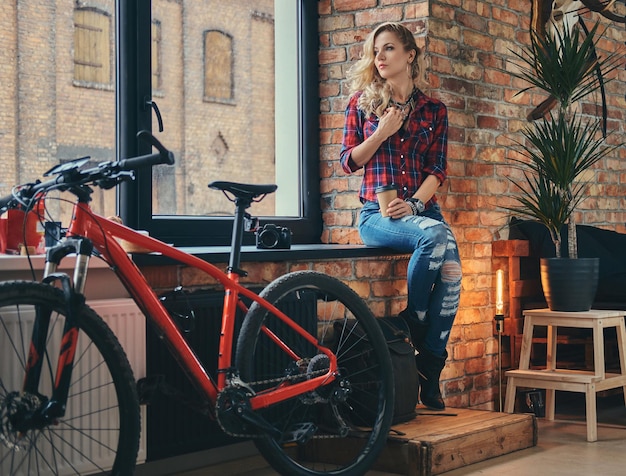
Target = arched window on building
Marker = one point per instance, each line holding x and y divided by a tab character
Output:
92	47
218	68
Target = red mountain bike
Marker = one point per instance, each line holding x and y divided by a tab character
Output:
309	365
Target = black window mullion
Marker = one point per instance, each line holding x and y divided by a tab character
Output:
133	90
309	123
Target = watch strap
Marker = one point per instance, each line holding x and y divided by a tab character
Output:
417	206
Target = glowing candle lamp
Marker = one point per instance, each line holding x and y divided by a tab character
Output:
499	292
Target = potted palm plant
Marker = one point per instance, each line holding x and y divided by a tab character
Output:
559	145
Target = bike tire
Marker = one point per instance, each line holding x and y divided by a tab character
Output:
327	308
100	430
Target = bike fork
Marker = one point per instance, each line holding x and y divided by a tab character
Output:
74	300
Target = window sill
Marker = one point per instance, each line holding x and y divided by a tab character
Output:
219	254
216	254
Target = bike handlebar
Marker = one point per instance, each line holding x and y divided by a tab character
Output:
70	176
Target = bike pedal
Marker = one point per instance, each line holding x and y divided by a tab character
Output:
299	433
147	387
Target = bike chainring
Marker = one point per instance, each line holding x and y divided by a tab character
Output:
231	402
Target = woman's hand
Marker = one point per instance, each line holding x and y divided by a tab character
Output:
390	122
398	208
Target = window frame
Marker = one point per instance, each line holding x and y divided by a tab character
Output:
134	113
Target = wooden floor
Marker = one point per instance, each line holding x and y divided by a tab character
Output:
561	447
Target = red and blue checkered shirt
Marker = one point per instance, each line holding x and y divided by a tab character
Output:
408	156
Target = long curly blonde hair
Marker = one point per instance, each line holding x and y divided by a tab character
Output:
363	75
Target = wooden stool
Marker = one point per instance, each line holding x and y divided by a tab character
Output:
552	378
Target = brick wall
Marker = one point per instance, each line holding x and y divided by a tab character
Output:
382	281
467	44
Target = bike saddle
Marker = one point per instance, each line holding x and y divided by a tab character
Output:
243	190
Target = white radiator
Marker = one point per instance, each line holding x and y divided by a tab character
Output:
128	324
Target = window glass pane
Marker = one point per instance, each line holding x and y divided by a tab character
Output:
56	71
224	77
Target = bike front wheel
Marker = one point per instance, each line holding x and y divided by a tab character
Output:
353	412
99	429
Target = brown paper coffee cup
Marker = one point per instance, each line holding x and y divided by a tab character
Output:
385	194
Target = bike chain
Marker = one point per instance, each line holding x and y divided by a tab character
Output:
314	373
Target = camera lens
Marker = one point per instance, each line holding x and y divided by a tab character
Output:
268	238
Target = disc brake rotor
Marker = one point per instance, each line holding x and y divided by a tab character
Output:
15	411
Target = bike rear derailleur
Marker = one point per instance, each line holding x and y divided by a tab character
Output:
236	418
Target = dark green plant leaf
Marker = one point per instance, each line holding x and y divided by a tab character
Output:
561	150
564	66
543	201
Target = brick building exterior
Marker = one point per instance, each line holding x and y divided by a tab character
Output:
49	114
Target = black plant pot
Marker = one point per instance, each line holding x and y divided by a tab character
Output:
570	284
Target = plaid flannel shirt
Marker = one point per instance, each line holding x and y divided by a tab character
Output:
408	156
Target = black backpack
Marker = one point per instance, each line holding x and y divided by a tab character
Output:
406	381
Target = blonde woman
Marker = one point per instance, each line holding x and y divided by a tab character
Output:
398	136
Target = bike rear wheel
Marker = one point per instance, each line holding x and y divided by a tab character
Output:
100	429
354	411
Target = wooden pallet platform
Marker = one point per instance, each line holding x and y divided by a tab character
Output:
436	442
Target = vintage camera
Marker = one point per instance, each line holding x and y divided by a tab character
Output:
271	236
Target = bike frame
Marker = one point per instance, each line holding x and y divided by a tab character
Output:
105	234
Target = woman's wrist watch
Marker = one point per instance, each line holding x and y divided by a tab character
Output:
417	206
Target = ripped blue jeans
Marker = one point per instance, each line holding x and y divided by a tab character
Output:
434	270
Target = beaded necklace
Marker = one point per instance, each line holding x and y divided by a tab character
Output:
404	107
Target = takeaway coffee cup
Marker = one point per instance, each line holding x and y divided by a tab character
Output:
385	194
